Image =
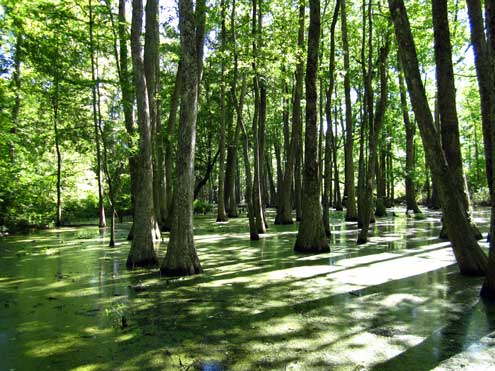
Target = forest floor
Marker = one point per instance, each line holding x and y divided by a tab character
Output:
397	303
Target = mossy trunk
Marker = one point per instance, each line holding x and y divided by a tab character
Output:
470	257
329	139
142	251
311	234
447	104
351	212
181	258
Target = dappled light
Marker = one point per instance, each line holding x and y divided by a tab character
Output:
395	303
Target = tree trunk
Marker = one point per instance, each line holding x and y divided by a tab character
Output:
55	102
258	210
447	105
351	213
152	69
486	77
121	58
410	126
253	230
311	234
469	256
221	215
336	179
16	75
329	139
284	209
376	123
101	208
181	258
169	155
142	251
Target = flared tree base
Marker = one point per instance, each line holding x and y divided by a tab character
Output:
189	270
150	262
362	240
283	220
317	248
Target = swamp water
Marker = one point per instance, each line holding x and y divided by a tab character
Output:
397	303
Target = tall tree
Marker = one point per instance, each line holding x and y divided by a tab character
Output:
449	125
410	126
142	251
329	139
96	123
284	210
221	216
486	77
470	258
258	115
181	258
374	131
151	70
311	234
351	212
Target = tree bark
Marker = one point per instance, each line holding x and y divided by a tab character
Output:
151	69
253	230
284	209
351	212
469	256
121	58
16	75
329	139
181	258
410	127
447	105
96	124
169	155
142	251
311	235
221	215
486	79
55	103
376	123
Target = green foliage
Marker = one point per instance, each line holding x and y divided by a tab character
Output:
202	206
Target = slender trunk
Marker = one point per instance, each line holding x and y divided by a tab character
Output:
55	102
101	208
181	258
376	122
142	251
253	230
470	258
278	158
410	132
284	209
272	194
121	59
221	215
169	155
486	77
351	213
258	210
329	140
336	181
311	234
16	75
111	193
209	168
